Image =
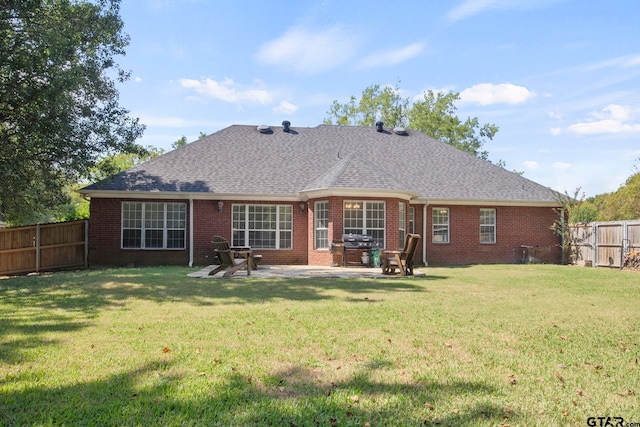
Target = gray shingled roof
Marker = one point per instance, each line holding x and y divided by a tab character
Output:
239	160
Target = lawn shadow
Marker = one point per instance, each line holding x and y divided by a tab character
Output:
89	290
147	396
31	310
33	306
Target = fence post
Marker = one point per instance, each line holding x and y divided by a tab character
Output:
564	242
86	243
594	241
37	248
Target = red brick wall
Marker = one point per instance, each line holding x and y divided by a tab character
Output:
515	226
336	227
105	233
208	222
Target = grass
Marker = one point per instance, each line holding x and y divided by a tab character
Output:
482	345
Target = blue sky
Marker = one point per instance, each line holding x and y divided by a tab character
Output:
560	78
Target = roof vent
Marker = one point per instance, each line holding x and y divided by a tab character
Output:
379	126
285	126
400	131
264	129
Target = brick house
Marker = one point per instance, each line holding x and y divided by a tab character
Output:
289	192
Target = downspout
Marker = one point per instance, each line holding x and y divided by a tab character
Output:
424	232
190	230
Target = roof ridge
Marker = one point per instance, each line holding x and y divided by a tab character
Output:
329	178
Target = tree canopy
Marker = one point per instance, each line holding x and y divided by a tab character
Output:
181	142
115	163
622	204
59	110
434	114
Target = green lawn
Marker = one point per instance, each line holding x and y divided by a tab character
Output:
501	345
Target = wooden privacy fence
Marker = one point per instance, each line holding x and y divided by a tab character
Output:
44	247
604	244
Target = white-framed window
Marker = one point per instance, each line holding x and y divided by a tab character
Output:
487	225
412	219
321	225
364	218
262	226
154	225
402	223
440	225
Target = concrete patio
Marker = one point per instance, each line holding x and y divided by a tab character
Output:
303	271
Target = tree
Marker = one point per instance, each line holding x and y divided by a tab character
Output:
112	164
181	142
584	212
567	206
59	107
434	115
376	104
623	204
109	165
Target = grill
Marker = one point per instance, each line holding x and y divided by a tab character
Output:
354	241
362	243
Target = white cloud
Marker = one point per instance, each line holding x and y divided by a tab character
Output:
137	79
613	119
555	131
310	52
285	107
532	165
228	91
561	165
503	93
470	8
603	127
616	112
393	56
628	61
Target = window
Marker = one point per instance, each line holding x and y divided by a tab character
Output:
440	224
176	225
321	215
402	223
262	226
364	218
153	225
412	219
487	225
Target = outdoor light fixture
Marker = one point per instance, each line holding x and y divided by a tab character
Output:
220	206
302	205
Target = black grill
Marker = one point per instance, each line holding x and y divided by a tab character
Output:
353	241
